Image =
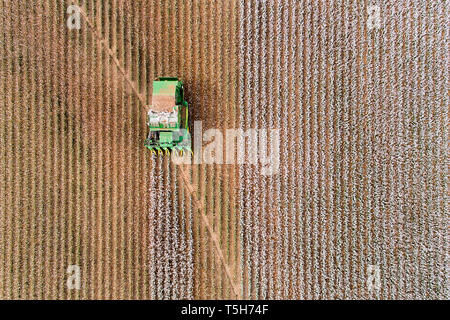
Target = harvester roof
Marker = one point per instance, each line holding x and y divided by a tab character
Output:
164	95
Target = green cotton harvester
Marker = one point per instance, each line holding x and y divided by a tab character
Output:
168	118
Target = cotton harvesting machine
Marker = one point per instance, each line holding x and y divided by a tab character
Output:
168	118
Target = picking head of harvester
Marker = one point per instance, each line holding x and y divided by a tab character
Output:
167	118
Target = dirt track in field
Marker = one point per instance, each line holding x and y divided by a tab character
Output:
362	178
